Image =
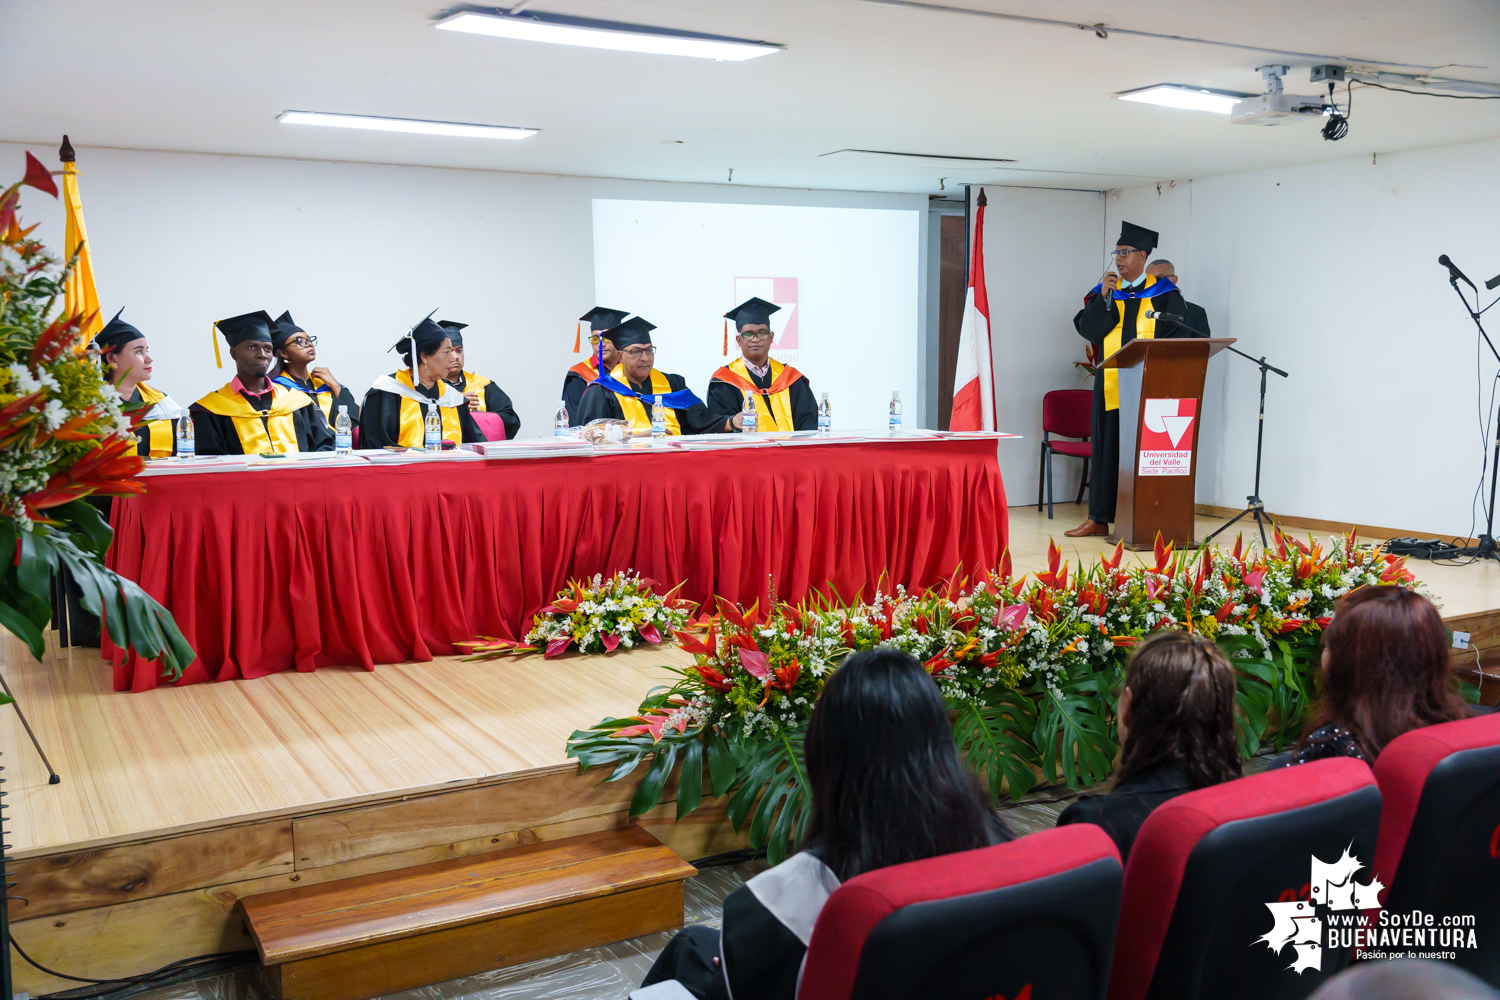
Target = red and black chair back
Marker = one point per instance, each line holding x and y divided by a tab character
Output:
1439	849
1204	866
1031	919
1070	413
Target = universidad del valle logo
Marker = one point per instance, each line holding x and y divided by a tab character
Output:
1341	913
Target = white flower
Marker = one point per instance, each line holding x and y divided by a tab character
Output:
26	383
54	415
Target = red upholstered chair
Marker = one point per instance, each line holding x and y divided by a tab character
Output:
1068	412
354	437
1037	914
1204	866
492	425
1439	849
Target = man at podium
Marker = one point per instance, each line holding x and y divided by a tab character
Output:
1114	314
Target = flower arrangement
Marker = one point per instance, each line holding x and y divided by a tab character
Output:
64	436
1029	667
598	616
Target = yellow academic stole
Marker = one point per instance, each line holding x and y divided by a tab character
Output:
1145	329
413	415
635	410
159	432
773	406
475	383
260	432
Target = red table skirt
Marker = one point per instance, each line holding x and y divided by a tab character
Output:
302	568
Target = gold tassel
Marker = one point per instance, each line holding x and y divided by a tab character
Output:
726	338
213	333
578	337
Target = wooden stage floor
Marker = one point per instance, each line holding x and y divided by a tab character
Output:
175	802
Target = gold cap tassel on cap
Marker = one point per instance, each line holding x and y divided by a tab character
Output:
213	333
726	338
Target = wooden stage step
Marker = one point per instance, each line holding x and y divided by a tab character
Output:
361	937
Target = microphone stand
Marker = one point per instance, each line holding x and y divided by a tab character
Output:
1487	548
1254	507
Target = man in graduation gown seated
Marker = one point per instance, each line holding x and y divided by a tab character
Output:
396	406
252	415
1114	314
126	360
295	351
483	394
783	396
582	375
629	391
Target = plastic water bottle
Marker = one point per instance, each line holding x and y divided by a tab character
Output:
658	419
561	426
750	415
432	438
343	437
896	412
825	415
186	446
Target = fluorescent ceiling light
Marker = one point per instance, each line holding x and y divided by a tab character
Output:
404	125
564	30
1176	95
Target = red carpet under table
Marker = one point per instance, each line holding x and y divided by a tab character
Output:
301	568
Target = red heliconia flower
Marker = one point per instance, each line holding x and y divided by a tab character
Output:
746	620
1239	544
1054	562
938	663
1280	544
786	677
55	339
921	624
707	646
1291	625
1005	568
1163	553
1395	570
713	678
1323	620
1113	562
1225	610
38	177
846	629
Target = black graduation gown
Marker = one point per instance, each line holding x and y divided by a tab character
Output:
496	401
215	435
380	420
761	948
143	440
344	398
1093	322
725	400
1196	317
600	402
573	388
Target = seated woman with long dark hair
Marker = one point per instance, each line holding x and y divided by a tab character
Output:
1176	721
888	787
1385	672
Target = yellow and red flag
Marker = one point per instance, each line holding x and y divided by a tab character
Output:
80	297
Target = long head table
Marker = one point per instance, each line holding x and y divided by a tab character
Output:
268	569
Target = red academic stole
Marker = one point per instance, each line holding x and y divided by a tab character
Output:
773	405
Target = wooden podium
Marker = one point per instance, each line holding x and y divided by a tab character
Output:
1161	401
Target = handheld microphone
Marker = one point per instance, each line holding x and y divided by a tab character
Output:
1169	317
1454	271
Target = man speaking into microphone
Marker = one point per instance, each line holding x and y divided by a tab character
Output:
1114	313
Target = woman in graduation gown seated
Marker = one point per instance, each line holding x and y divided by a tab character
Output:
396	405
483	394
295	351
252	415
888	787
602	356
126	361
783	396
629	391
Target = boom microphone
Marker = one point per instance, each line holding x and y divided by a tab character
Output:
1169	317
1454	271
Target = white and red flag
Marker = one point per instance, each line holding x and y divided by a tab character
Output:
974	379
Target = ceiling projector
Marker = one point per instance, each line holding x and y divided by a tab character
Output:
1274	107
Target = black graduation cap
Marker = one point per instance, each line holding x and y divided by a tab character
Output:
633	331
1136	237
426	333
283	330
246	326
601	318
455	331
116	334
752	310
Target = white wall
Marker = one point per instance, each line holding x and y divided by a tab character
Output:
359	252
1330	271
1041	254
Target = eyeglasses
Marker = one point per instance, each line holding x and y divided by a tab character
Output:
307	341
1124	252
757	335
639	352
